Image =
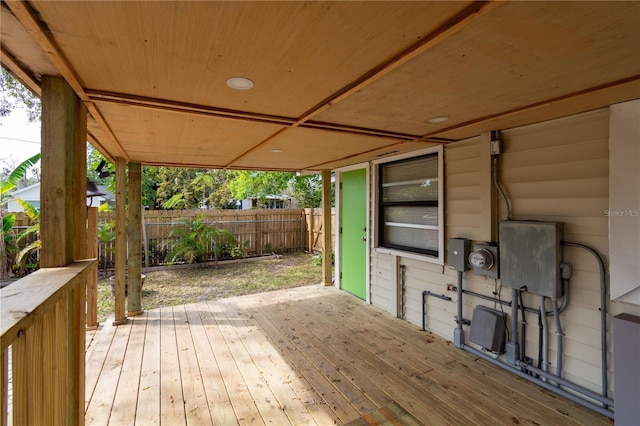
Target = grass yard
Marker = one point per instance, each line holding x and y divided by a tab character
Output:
182	286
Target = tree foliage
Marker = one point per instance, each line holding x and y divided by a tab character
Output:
7	239
181	188
306	189
16	95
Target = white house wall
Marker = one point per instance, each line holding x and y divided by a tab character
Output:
553	171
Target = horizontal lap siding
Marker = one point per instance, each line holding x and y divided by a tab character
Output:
554	171
558	171
383	281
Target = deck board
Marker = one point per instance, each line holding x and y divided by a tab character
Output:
306	356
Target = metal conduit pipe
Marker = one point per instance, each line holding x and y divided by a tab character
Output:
557	390
561	308
545	336
559	338
513	337
523	329
567	384
603	313
424	305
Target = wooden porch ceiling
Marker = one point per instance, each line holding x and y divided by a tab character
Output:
336	83
310	355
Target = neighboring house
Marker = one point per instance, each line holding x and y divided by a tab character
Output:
31	194
271	202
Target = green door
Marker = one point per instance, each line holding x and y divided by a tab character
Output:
353	262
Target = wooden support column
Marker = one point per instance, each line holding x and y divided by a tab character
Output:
63	223
134	232
326	228
121	241
64	174
92	281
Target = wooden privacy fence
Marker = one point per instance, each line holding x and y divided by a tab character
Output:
257	232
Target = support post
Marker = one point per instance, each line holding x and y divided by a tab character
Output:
134	298
63	221
121	242
326	228
92	281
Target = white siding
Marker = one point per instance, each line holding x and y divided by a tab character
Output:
553	171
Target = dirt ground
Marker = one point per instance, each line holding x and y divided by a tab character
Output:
181	286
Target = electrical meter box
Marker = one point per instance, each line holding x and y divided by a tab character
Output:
530	256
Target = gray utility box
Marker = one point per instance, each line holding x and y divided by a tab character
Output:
458	253
530	256
488	329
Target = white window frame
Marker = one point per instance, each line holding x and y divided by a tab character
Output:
375	207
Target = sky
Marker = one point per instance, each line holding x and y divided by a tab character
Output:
19	139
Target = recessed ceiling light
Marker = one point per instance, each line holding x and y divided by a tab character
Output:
276	150
438	120
240	83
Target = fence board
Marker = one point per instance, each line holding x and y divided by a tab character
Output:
257	231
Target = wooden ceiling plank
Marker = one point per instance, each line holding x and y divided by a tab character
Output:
30	22
531	107
452	26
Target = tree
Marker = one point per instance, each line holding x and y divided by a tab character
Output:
16	95
306	189
260	185
181	188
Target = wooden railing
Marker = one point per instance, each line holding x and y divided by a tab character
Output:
42	346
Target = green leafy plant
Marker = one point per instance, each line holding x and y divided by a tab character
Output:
197	241
7	238
34	229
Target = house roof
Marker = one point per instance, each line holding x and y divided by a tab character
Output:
28	193
336	83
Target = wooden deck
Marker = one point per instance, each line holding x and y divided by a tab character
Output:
311	355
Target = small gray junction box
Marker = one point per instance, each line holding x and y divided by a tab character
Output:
530	256
458	253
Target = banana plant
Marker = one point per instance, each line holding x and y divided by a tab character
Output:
34	216
7	239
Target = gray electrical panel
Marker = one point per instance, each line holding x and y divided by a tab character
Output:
530	256
458	253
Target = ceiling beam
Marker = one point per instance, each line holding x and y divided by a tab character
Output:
24	76
176	106
28	19
455	24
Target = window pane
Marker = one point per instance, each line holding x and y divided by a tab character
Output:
422	239
422	190
411	215
408	197
410	170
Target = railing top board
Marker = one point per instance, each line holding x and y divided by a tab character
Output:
29	298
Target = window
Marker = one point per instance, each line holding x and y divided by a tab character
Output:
408	200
